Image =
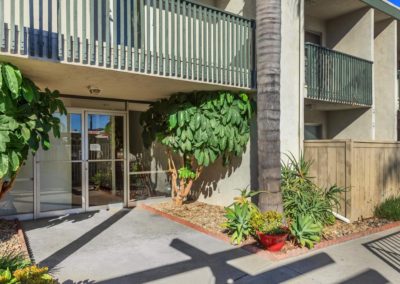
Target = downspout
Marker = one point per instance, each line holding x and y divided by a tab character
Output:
301	78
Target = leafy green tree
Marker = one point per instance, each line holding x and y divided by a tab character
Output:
200	127
26	118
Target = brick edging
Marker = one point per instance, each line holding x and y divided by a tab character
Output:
277	255
21	238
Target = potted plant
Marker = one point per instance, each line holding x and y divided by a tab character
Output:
269	229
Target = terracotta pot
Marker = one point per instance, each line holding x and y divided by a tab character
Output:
272	242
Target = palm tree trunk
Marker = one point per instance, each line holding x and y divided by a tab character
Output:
268	41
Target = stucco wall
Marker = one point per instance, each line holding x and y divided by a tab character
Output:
292	77
315	25
385	79
352	34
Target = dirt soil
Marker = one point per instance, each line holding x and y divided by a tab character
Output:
9	240
211	217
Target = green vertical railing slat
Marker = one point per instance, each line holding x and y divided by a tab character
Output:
129	33
155	61
100	33
194	58
173	47
12	25
148	28
115	34
68	30
245	52
190	19
2	29
229	51
59	32
178	37
142	38
122	46
91	35
76	41
22	30
237	58
214	50
220	47
200	40
108	36
83	39
241	51
135	35
205	51
224	50
184	40
209	54
166	41
160	41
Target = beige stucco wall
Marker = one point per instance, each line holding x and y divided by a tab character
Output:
292	77
385	80
352	33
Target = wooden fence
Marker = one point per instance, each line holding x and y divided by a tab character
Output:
369	170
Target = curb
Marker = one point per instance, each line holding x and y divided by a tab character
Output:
21	237
264	253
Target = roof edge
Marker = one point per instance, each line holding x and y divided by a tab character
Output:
385	7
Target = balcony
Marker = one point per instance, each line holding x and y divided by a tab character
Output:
336	77
169	38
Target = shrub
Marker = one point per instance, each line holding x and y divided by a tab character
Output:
199	127
305	231
238	222
13	261
33	275
268	222
389	209
238	216
302	197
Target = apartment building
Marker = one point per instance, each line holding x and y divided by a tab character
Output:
110	58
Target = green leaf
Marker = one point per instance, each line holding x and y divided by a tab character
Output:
4	162
14	161
12	79
28	91
26	133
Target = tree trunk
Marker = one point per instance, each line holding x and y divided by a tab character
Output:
268	45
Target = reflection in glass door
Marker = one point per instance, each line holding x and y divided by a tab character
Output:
105	158
60	168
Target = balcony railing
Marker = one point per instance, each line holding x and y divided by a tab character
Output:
337	77
174	38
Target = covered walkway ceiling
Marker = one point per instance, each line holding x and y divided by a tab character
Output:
74	79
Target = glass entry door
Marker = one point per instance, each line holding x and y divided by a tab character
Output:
85	168
105	150
60	174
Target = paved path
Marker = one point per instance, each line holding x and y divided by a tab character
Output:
135	246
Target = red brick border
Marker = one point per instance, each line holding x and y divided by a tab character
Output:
278	255
21	238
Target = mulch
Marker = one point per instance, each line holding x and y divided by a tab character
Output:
208	219
11	238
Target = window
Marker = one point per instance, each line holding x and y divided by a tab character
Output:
312	132
313	37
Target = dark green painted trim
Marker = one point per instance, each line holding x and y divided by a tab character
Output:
384	7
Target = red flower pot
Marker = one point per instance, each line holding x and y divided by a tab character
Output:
272	242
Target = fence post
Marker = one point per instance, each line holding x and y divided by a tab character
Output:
348	177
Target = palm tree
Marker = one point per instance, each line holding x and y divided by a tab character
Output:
268	45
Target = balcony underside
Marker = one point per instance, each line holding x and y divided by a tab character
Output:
74	79
313	104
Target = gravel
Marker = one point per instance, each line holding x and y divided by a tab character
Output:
9	240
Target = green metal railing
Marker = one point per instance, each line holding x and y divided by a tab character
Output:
337	77
174	38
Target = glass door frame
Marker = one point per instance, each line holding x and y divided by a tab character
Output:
84	112
85	143
37	212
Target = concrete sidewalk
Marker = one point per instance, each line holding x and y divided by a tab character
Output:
135	246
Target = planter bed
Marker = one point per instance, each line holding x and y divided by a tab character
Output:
12	238
208	218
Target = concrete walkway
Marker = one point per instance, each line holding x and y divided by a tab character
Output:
135	246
